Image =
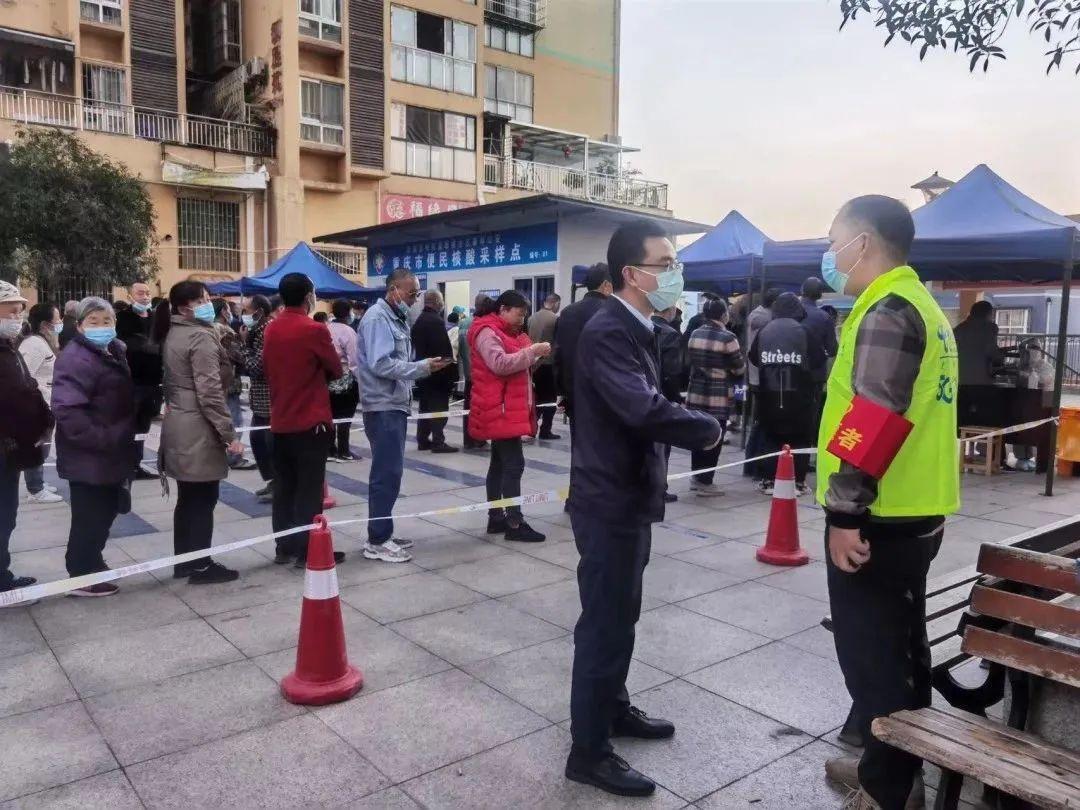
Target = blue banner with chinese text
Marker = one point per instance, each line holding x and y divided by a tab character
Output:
509	248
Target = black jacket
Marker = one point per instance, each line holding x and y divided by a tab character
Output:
821	337
622	422
26	416
430	339
71	328
670	344
781	352
567	333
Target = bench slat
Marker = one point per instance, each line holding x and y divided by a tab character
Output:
1026	610
1021	749
995	761
1048	752
1030	567
1028	656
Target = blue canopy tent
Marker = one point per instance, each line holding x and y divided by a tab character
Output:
301	259
981	229
726	258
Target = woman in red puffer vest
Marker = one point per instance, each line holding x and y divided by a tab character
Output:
502	409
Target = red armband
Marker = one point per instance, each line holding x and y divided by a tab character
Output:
869	436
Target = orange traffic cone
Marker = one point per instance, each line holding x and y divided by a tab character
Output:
782	539
323	673
328	500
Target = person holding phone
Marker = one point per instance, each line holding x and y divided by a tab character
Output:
387	370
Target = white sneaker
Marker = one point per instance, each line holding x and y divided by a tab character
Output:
45	496
50	487
705	490
389	552
403	543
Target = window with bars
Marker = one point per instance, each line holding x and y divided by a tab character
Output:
432	143
508	92
346	262
1012	321
104	97
322	112
321	19
209	234
101	11
432	51
506	39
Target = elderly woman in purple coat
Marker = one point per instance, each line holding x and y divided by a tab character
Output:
94	405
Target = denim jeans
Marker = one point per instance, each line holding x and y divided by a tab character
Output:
233	401
385	432
35	479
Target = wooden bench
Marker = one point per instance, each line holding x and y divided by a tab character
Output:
947	600
989	463
1026	598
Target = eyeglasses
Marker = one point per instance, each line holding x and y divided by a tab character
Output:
675	266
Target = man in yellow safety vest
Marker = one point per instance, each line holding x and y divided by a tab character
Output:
887	477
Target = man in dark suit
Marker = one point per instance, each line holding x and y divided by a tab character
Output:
568	329
430	339
617	480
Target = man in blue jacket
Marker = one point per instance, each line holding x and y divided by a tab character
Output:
617	480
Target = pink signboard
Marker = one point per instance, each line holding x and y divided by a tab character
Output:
398	207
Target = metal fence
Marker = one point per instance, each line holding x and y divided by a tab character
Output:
544	178
29	107
1049	344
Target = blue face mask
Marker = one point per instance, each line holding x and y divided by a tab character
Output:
204	312
831	273
58	328
669	287
100	335
402	308
249	320
135	305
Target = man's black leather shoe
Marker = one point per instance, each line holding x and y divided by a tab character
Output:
635	723
611	774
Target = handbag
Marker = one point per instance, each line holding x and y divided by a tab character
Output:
342	384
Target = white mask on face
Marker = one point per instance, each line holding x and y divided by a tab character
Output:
10	328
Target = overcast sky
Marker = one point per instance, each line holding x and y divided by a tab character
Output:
763	106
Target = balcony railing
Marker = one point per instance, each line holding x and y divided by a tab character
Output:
525	15
28	107
546	179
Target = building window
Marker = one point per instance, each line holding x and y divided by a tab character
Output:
432	143
348	262
506	39
100	11
104	97
322	112
209	235
1012	321
509	93
432	51
321	19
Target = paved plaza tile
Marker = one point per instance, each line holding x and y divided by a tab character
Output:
167	695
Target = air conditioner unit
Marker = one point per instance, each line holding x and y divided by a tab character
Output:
224	35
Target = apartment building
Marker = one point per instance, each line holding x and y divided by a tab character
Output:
259	123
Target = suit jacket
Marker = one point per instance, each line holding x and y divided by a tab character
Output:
670	344
430	339
618	470
567	332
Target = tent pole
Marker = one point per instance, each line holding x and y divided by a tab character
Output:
748	403
1059	371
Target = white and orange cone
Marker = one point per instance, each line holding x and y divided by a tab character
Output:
323	673
782	539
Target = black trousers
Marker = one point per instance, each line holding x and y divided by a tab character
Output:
343	406
9	508
879	627
469	440
795	433
432	400
93	509
613	559
262	446
300	464
147	406
504	473
544	391
193	521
